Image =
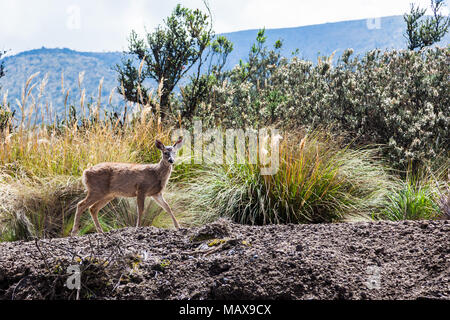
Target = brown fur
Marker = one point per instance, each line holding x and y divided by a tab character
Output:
108	180
127	179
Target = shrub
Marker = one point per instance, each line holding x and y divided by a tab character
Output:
317	181
398	99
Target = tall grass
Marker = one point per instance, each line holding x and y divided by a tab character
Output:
41	162
422	195
317	181
45	207
68	150
37	207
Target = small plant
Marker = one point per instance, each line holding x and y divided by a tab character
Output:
417	198
412	202
398	99
164	263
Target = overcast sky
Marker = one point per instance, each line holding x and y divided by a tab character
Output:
103	25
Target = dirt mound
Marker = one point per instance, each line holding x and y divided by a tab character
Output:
382	260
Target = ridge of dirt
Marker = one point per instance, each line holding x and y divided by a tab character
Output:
223	260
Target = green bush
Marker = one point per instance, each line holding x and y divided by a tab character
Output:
399	99
416	198
317	181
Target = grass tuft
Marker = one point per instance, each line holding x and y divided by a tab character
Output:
317	181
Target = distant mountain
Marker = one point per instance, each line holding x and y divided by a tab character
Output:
312	41
58	64
323	39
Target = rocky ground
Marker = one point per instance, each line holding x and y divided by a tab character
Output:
381	260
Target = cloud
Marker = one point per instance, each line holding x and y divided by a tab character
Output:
252	14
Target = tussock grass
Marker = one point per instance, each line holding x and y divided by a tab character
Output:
317	181
423	195
37	207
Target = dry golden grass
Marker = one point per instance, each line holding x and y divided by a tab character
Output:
68	147
41	162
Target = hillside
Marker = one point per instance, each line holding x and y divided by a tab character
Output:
322	39
222	260
56	62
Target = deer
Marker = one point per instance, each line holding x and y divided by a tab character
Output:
108	180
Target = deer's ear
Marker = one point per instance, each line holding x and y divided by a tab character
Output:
159	145
178	144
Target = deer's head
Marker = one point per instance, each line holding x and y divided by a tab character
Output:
169	152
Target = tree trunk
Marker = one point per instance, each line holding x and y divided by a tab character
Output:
165	105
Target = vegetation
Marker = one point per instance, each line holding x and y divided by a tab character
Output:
423	32
419	196
363	138
413	201
317	181
41	166
397	99
168	54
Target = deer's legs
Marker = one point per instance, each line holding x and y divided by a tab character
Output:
81	207
96	208
140	207
163	204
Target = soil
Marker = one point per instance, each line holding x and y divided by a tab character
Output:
223	260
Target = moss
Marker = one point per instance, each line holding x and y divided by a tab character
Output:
216	242
246	243
164	263
58	269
